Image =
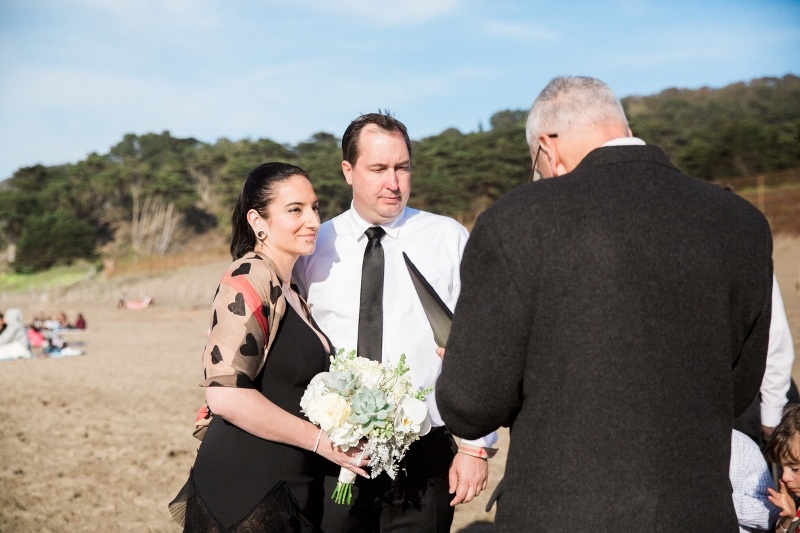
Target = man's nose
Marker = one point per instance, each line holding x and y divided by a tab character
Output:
391	179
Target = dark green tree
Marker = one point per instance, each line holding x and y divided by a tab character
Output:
52	239
321	157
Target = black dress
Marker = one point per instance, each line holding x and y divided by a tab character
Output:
235	470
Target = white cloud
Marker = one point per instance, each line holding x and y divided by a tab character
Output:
520	31
390	13
155	14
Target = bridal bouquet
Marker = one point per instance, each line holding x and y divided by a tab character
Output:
360	399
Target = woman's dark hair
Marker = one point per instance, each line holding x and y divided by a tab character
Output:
382	119
258	191
780	447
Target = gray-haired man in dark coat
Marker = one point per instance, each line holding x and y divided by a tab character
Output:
616	319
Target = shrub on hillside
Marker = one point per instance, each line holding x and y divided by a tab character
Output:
54	239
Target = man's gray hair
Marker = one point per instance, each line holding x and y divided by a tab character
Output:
570	102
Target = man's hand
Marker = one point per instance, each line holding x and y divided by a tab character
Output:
468	477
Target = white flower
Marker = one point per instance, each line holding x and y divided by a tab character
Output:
346	436
315	390
400	387
329	411
370	371
412	417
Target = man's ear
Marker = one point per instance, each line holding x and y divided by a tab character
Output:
553	157
347	170
547	141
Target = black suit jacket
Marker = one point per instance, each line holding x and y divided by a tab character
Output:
616	318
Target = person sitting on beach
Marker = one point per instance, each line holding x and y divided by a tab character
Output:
784	449
14	338
36	338
39	320
80	322
63	322
124	303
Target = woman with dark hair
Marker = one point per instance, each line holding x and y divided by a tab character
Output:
260	460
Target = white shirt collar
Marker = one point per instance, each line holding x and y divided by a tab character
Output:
625	141
359	225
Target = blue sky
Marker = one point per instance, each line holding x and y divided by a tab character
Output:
77	75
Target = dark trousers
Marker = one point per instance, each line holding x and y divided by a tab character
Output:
417	500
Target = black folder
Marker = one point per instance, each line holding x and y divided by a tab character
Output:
439	315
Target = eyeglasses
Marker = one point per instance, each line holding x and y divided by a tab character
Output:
535	174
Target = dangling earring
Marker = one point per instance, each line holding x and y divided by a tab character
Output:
261	235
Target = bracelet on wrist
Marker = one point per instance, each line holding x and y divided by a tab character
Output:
473	454
476	451
316	444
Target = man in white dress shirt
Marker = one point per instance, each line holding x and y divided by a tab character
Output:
758	421
780	359
436	475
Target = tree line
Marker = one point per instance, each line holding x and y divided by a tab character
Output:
151	192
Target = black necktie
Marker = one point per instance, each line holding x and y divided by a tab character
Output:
370	315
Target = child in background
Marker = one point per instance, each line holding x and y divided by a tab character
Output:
750	479
784	449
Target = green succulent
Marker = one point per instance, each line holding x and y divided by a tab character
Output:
370	409
343	383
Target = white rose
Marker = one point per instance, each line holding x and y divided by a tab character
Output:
369	370
329	411
401	387
314	391
346	436
412	417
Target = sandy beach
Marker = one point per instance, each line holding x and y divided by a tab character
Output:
102	441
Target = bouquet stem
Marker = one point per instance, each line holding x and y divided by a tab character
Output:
343	493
